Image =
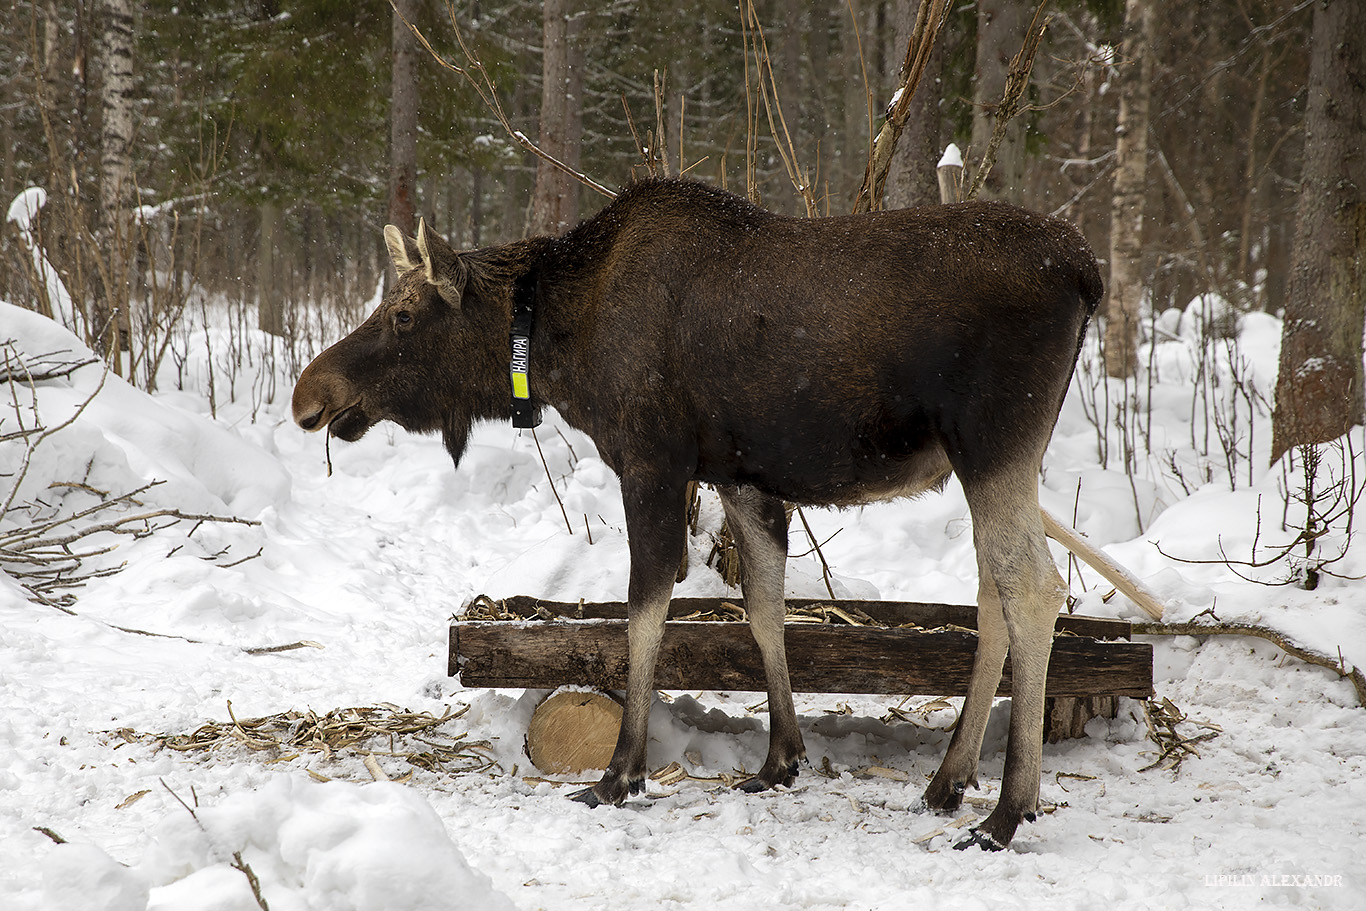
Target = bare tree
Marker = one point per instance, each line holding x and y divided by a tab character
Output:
912	180
1319	389
403	120
1000	29
116	172
555	201
1126	209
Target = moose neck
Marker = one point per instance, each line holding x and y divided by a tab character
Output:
539	344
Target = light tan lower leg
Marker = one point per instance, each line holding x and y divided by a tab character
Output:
759	527
1008	532
959	768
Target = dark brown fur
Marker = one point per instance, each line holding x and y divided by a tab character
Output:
820	361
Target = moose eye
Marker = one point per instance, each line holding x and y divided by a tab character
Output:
403	318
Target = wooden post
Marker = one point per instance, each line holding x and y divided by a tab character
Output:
950	170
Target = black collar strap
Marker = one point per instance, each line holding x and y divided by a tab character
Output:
524	414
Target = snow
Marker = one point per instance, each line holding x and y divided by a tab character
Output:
952	157
23	212
371	563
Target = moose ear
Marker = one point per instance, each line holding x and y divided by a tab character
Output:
402	250
444	268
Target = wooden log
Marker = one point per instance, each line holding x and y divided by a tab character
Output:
823	658
892	613
573	731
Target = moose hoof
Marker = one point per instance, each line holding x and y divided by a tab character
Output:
786	776
611	790
586	797
943	796
979	839
996	831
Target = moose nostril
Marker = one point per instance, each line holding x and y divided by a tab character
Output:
310	421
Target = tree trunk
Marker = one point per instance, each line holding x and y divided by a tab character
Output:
912	179
403	121
114	227
270	315
858	128
1126	209
555	202
1001	28
1319	389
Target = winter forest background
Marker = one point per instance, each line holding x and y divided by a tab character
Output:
255	143
198	192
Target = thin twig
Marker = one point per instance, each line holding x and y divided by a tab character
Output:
479	79
563	512
815	544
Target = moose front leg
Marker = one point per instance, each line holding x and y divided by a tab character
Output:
655	529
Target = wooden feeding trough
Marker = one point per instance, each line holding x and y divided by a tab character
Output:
853	647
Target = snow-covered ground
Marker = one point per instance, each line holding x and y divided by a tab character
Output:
371	562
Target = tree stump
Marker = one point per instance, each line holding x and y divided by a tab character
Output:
573	731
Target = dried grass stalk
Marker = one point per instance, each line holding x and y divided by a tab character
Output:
415	737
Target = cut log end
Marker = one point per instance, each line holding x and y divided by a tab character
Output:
1065	717
573	731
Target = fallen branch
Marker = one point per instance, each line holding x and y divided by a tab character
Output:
56	839
1116	575
1162	716
1280	640
46	557
42	367
237	864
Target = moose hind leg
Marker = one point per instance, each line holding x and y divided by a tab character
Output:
1008	532
959	768
759	524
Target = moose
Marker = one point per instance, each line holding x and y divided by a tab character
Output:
826	361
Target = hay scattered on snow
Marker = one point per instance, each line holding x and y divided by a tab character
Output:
415	737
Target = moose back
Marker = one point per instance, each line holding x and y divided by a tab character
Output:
828	361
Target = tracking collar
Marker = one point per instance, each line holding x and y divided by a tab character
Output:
524	414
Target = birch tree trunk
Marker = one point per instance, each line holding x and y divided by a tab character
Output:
555	201
1126	209
1319	388
403	121
114	224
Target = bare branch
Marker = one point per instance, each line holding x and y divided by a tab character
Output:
479	79
1017	81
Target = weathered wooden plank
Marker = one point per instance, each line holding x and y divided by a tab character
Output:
823	658
893	613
